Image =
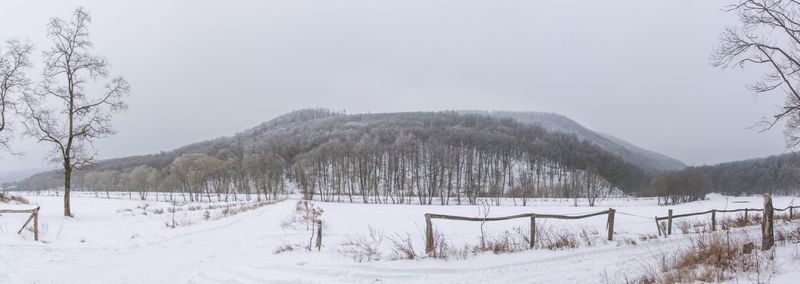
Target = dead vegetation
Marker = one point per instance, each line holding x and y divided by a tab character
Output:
444	250
285	248
691	227
784	235
8	198
229	211
506	242
516	240
560	240
647	237
786	217
305	213
403	247
211	212
740	221
712	258
361	248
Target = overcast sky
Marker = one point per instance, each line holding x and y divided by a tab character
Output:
636	69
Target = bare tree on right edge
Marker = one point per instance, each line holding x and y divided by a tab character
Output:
14	61
769	36
79	118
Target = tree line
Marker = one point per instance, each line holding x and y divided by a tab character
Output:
776	174
424	158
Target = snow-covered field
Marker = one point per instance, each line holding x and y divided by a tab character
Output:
120	240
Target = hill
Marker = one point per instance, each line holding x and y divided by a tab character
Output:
388	157
647	160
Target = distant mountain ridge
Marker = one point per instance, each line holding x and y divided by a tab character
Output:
647	160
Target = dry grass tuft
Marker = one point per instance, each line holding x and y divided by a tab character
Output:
442	249
783	235
647	237
740	221
285	248
688	227
507	242
361	248
711	258
402	247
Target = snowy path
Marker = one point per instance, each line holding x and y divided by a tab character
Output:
541	266
206	247
239	249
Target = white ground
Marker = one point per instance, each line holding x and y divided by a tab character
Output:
124	241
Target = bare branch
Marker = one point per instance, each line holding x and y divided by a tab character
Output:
769	36
14	62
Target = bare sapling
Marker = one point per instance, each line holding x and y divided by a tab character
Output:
483	211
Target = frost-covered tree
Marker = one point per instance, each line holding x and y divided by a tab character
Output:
14	62
144	179
67	110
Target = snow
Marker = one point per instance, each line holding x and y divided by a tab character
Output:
119	240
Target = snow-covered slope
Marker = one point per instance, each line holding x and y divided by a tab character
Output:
643	158
126	241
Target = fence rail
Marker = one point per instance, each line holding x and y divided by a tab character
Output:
34	216
713	213
429	240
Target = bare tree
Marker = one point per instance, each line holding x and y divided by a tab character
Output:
769	36
14	61
79	118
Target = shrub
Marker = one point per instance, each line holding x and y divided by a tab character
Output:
284	248
648	236
364	249
504	243
740	221
403	247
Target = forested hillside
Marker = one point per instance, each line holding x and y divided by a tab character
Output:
651	162
776	174
424	157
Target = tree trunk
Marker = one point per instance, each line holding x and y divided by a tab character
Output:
67	188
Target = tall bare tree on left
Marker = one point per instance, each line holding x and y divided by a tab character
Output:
70	109
14	62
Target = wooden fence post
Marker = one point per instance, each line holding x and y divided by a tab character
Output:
746	221
791	212
669	222
533	231
429	236
767	232
658	226
319	235
713	220
611	212
36	224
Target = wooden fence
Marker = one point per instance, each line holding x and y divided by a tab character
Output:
713	213
34	216
429	241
